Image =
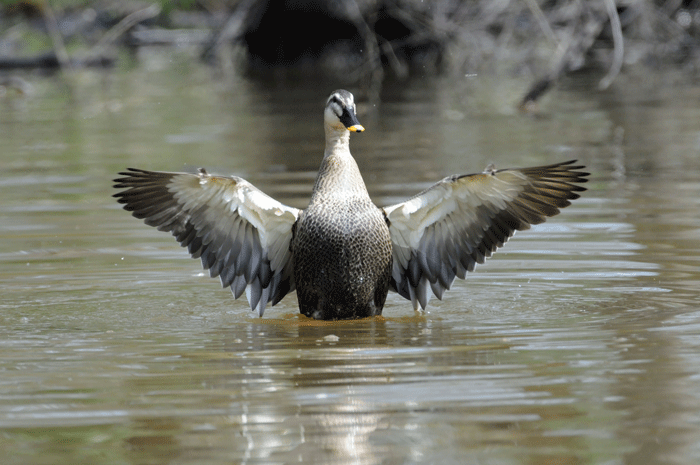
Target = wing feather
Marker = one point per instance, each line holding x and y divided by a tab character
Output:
444	231
240	234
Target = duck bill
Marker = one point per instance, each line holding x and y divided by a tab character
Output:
349	120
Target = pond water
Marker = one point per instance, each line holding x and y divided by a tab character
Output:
577	343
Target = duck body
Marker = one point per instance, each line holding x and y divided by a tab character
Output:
341	247
343	254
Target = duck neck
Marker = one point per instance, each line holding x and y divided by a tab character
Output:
338	175
337	141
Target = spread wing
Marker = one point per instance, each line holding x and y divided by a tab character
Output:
240	234
447	229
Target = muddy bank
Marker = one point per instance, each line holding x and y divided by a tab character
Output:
363	42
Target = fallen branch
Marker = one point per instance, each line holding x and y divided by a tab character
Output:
619	51
49	60
572	52
59	47
121	27
170	37
232	30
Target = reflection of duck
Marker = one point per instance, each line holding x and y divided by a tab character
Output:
342	253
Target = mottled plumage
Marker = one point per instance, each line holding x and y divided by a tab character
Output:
342	253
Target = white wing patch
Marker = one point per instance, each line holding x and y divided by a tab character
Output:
444	231
241	234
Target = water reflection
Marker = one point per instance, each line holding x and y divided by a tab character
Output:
341	400
327	400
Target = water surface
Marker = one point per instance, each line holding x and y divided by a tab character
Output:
576	343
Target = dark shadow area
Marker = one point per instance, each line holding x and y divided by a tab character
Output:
365	42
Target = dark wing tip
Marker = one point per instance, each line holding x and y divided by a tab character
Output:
128	176
135	177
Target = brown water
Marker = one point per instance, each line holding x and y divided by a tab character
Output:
577	343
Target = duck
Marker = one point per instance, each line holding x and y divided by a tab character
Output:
342	253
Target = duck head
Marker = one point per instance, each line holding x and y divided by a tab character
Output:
341	112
